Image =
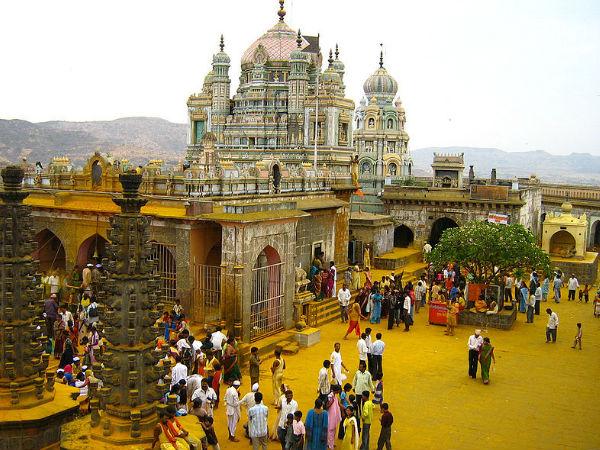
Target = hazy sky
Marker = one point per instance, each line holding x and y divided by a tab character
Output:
512	74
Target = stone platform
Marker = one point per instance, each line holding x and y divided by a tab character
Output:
397	259
504	320
307	337
585	269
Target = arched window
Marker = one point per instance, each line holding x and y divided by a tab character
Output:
371	122
392	169
390	124
366	168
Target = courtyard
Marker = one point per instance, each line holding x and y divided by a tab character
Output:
541	396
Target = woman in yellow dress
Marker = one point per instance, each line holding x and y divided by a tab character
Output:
351	440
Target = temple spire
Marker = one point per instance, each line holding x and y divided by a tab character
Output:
337	52
330	60
281	12
299	39
222	43
381	56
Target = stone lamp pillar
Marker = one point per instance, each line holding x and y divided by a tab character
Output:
131	373
30	415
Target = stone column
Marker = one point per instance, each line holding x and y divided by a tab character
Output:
129	310
24	392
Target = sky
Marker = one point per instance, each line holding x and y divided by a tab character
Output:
517	75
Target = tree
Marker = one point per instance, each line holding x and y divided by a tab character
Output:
486	250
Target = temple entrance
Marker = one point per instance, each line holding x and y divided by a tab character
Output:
50	251
207	287
403	236
266	308
438	227
276	178
92	250
562	243
166	269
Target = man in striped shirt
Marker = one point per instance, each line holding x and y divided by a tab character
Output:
257	423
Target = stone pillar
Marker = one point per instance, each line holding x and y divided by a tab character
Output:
129	310
33	417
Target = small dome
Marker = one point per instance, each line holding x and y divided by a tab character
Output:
566	208
338	65
221	57
381	85
298	54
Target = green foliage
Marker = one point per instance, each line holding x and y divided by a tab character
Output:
487	250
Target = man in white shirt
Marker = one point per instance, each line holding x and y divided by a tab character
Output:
218	338
324	381
475	342
287	406
362	382
344	300
363	350
377	351
207	397
369	343
248	402
426	250
552	326
508	285
573	284
530	302
232	409
67	317
337	364
407	308
178	372
257	423
54	283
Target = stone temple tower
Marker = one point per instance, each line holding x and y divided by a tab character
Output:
130	308
30	412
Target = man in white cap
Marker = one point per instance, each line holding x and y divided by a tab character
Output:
248	402
475	343
232	403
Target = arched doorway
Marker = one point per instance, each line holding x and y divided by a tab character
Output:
562	243
208	285
166	269
438	227
96	173
266	307
50	251
403	236
92	250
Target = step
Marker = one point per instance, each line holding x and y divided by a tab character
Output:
397	258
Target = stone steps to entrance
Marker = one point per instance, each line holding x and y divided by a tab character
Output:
397	258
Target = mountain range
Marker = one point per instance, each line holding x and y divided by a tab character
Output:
140	139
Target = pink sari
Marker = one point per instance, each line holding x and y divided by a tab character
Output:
334	417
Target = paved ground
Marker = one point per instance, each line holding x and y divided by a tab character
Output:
541	396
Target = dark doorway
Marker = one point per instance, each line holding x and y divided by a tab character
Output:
438	227
96	174
50	251
276	178
403	236
596	234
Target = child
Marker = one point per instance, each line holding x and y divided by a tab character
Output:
578	336
344	398
299	432
216	382
209	431
354	404
584	294
378	395
288	434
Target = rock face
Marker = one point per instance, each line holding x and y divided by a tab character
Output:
130	309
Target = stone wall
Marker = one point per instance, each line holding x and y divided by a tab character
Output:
319	227
586	272
530	214
381	237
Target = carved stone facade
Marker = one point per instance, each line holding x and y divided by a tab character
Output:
30	416
129	309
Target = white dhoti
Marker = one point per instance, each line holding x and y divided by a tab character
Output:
232	421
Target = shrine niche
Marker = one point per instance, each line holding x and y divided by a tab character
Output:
96	171
564	234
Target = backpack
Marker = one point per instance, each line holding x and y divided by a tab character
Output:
93	312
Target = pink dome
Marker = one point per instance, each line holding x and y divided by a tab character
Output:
278	42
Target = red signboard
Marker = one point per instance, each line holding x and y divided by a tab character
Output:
437	313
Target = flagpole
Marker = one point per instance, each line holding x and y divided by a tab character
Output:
316	121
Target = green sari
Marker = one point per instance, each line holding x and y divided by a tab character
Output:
485	359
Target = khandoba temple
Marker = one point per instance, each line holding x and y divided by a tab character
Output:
281	170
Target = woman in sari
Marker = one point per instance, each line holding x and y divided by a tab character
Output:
231	369
60	335
334	414
351	440
368	278
316	427
355	286
325	284
67	354
376	298
486	356
317	284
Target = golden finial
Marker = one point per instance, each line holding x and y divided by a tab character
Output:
222	44
299	39
337	52
281	12
381	56
330	57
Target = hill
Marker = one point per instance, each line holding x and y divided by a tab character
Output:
140	139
